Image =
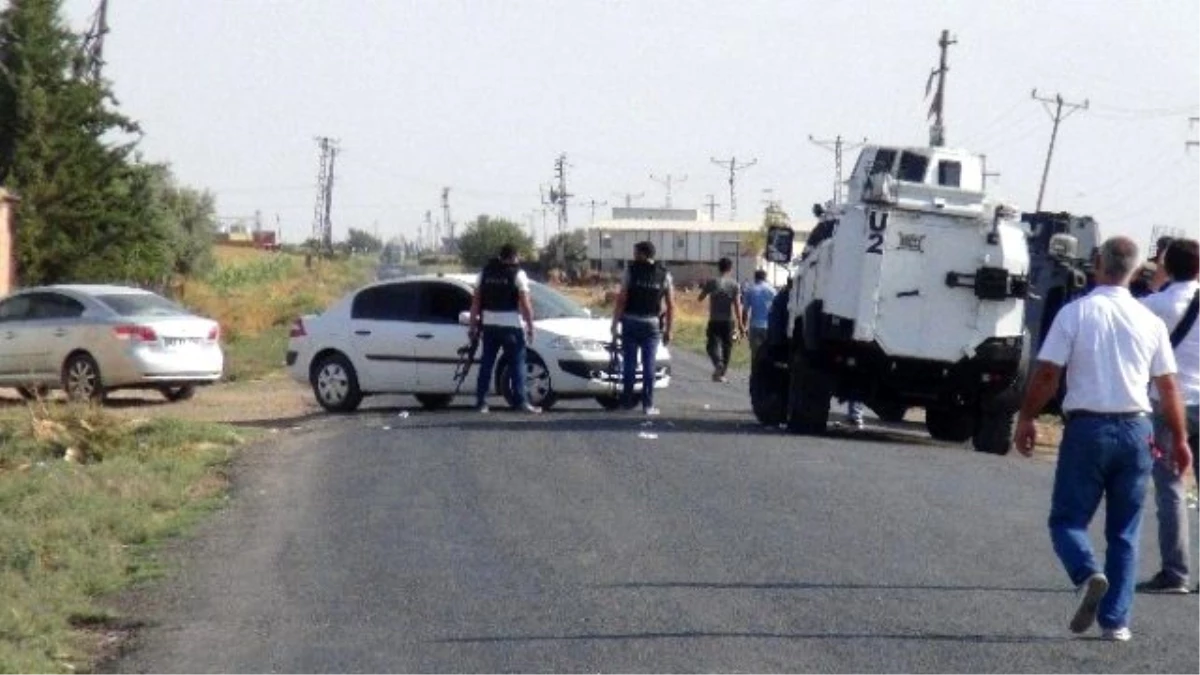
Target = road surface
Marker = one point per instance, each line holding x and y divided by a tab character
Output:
453	542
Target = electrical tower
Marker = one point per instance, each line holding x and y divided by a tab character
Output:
629	197
667	183
837	145
733	167
559	194
446	216
1057	117
712	208
937	132
322	225
91	57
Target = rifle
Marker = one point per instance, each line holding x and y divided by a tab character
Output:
616	377
466	356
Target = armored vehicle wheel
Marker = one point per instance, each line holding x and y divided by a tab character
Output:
994	434
768	388
889	412
949	424
809	396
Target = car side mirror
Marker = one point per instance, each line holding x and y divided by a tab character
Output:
779	244
464	318
1063	247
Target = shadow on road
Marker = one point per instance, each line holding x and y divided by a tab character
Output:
693	635
804	585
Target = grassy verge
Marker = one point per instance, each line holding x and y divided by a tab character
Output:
251	357
84	497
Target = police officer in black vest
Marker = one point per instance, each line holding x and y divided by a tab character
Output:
502	316
636	318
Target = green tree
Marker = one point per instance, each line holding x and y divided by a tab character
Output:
485	235
87	209
566	251
361	241
773	215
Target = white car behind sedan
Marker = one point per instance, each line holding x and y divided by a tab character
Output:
90	340
402	336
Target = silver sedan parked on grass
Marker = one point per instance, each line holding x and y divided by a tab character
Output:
90	340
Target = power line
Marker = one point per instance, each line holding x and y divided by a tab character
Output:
667	183
937	132
836	146
1057	116
733	167
322	224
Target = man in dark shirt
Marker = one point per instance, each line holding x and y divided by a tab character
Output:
724	317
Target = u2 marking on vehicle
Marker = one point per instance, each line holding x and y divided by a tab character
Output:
876	226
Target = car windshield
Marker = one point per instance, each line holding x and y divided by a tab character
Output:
550	304
141	304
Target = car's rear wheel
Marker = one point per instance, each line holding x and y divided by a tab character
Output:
176	394
81	379
609	402
434	401
539	391
335	384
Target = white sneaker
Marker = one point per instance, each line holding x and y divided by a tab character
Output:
531	409
1122	634
651	411
1091	591
482	409
857	423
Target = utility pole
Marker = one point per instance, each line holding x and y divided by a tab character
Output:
986	174
629	197
559	196
937	132
1057	117
593	204
1188	145
733	167
446	213
92	48
667	183
322	225
837	145
430	237
712	208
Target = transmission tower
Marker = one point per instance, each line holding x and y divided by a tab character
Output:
322	225
629	197
1057	117
559	194
937	132
667	183
837	145
734	167
91	58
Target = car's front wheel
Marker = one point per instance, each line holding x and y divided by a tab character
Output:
81	379
335	384
538	388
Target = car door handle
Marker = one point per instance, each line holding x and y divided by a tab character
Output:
425	336
362	332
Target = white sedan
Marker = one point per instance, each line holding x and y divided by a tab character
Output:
90	340
403	336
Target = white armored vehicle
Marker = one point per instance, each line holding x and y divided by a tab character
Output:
911	294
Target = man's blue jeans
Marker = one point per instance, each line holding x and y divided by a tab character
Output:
639	336
512	340
1102	457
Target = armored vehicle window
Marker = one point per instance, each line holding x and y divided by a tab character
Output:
884	159
949	173
912	167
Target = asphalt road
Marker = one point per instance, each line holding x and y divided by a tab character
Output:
452	542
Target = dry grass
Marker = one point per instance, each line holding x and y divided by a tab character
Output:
85	495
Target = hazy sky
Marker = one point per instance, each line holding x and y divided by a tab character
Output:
482	95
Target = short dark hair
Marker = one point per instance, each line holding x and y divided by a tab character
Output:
724	265
760	275
508	252
1181	260
1161	246
644	248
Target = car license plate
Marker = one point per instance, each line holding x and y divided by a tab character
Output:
176	343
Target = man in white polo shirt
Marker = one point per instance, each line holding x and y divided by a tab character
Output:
1111	347
1177	306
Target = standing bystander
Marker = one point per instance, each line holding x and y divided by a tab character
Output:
1111	347
756	301
502	315
724	317
1177	306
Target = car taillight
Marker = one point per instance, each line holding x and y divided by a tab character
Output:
214	333
136	333
297	330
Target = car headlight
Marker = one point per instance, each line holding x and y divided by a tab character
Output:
578	344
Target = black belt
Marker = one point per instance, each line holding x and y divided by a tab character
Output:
1080	414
